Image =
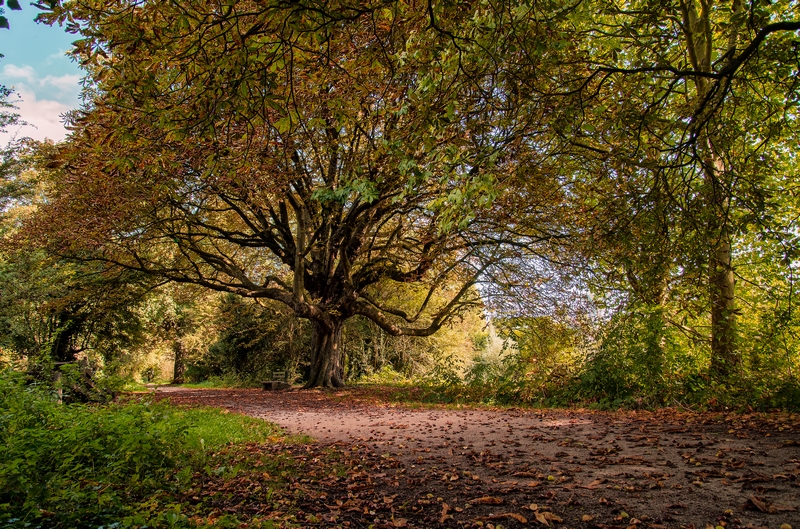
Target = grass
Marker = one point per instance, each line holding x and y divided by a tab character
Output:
131	464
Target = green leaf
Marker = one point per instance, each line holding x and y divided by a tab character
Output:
3	22
284	124
14	5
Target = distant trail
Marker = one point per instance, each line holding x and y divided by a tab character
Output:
678	468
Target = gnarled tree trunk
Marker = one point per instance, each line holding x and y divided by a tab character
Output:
327	364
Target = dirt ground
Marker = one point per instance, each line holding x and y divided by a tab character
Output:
474	467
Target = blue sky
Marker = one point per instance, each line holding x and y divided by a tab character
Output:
46	81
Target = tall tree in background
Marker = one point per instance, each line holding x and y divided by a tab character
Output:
306	154
675	118
52	309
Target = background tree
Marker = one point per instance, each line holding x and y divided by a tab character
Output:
674	120
254	338
53	309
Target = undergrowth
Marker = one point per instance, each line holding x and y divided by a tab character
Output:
595	386
119	465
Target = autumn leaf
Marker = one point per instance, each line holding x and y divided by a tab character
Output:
545	517
594	484
759	504
517	517
444	515
487	500
504	516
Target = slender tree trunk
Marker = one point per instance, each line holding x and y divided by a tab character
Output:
180	363
724	357
699	37
327	367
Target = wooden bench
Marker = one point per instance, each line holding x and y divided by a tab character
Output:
280	380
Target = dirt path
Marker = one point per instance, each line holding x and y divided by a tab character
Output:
588	469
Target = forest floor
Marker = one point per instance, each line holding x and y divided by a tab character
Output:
380	464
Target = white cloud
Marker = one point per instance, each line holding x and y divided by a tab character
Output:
62	82
43	118
59	55
12	71
64	88
40	101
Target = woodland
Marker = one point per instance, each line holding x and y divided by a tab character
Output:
532	203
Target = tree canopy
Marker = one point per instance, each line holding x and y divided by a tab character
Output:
404	161
314	157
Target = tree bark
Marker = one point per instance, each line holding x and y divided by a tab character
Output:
327	367
179	368
722	295
699	37
724	357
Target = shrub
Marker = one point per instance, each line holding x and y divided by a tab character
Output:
77	465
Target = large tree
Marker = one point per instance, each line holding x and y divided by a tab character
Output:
309	154
675	118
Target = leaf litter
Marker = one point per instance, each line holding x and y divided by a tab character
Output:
377	464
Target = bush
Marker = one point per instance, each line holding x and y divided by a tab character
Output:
76	465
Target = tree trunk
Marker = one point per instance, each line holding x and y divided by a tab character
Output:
180	363
62	346
327	368
700	35
724	357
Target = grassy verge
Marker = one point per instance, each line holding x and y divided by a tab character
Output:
136	464
742	397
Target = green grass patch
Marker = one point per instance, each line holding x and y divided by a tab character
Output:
119	465
219	383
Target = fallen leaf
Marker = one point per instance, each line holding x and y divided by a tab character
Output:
505	515
488	500
587	518
400	522
518	517
756	502
444	516
594	484
545	518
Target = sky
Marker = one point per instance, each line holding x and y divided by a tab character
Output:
46	81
